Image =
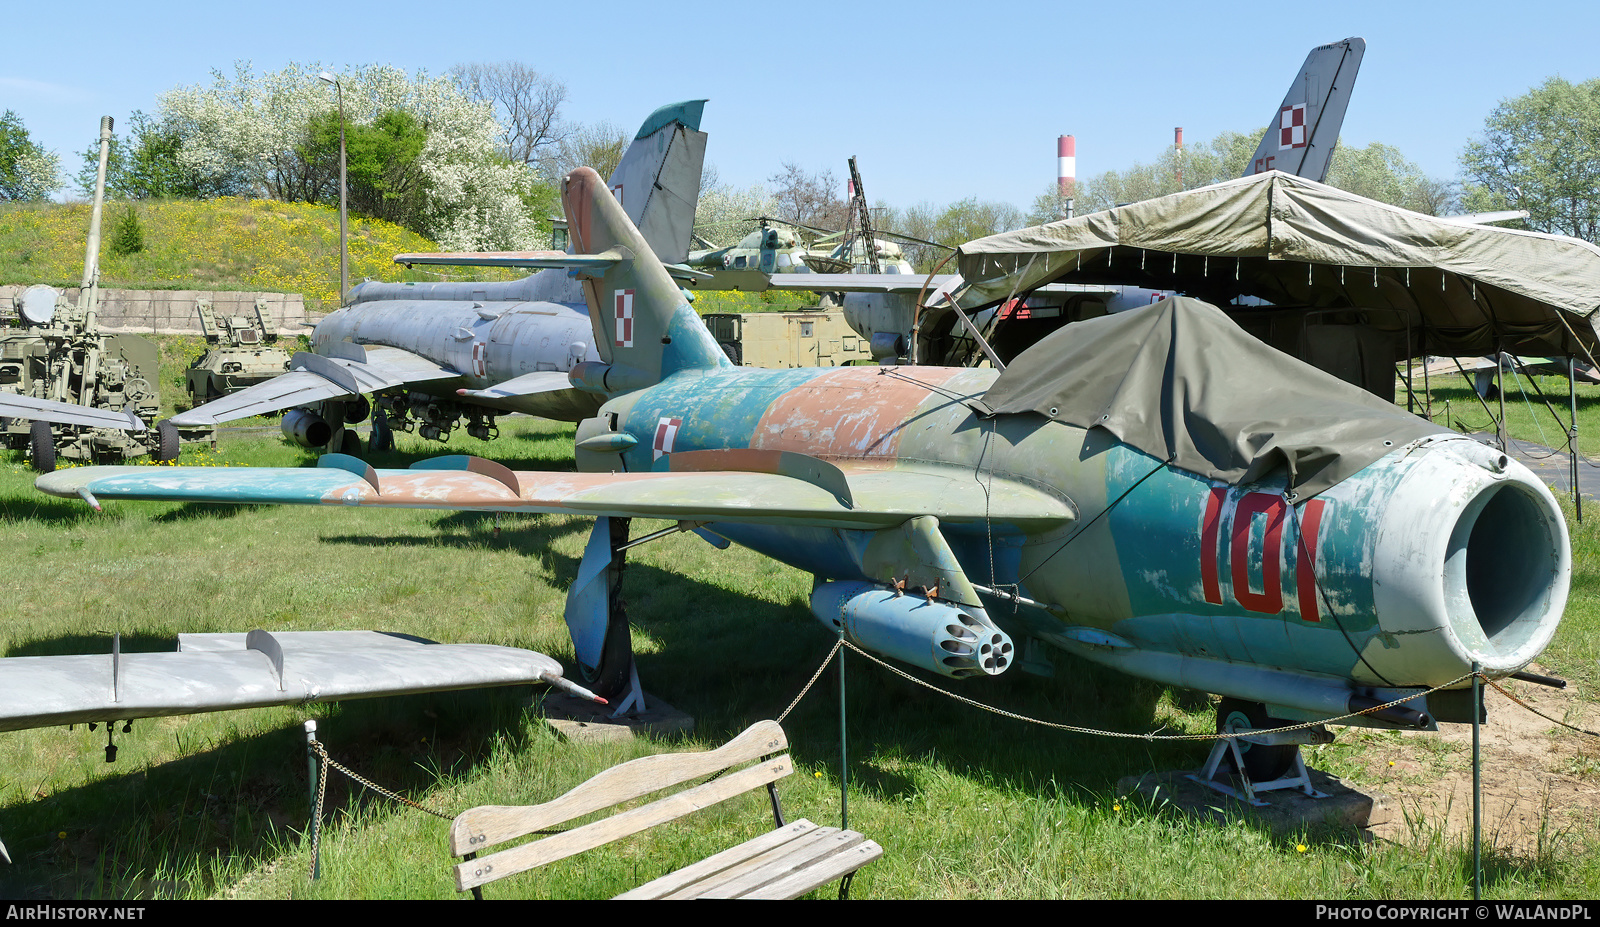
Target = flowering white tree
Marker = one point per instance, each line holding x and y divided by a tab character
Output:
255	128
27	171
726	215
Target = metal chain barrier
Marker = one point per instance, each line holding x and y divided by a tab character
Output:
322	785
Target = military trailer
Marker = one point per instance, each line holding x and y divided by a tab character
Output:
242	352
811	338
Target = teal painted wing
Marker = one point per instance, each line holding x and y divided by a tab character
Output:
868	497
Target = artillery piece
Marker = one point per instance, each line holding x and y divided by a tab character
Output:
61	354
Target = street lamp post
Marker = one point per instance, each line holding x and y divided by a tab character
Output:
344	250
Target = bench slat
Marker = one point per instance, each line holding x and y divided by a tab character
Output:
679	879
486	869
478	828
804	865
759	870
828	870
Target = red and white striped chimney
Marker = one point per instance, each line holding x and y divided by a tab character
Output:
1066	171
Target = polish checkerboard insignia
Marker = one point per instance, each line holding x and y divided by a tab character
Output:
666	434
624	310
1292	127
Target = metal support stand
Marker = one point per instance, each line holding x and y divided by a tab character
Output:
1299	778
844	770
632	700
1477	786
316	818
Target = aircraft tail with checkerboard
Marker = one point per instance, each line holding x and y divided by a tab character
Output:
644	327
1300	138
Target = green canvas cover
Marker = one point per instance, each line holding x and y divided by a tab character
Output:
1469	289
1180	381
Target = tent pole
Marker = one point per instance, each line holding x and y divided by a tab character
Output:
1572	433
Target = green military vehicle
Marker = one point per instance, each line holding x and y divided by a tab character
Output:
54	349
809	338
242	352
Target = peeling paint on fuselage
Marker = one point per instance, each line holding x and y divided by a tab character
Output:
890	415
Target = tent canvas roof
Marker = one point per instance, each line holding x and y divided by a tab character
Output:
1469	289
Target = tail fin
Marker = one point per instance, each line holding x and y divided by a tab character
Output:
658	179
643	325
1302	133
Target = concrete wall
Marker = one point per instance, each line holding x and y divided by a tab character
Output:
172	312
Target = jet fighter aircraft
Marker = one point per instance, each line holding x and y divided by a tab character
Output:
434	354
1155	490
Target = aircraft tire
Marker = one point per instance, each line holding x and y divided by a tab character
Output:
382	439
610	679
356	410
1261	763
41	448
166	441
734	350
350	443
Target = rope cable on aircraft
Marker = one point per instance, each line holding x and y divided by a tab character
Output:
1322	594
1090	523
1151	736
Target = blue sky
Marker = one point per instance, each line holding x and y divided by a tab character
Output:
938	101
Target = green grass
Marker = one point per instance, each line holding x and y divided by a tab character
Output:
966	804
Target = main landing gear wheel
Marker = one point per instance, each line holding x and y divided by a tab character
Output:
1262	763
350	442
41	447
611	678
166	441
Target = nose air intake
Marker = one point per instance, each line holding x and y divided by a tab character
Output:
1503	558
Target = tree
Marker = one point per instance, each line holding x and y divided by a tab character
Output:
1380	172
27	171
472	198
1377	171
809	198
527	105
1541	152
144	165
598	145
383	170
725	215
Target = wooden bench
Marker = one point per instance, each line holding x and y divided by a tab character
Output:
784	863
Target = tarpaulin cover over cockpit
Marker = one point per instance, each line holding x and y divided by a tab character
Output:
1466	289
1182	382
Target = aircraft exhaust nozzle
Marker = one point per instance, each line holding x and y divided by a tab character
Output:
934	635
306	428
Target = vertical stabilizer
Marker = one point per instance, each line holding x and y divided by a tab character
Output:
658	179
1302	133
644	327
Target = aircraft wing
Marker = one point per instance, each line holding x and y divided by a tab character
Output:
315	377
753	487
15	405
860	283
218	672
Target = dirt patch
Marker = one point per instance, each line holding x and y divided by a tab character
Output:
1541	781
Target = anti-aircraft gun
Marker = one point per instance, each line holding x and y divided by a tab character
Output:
60	353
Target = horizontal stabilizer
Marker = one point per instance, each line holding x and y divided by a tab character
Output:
383	368
870	497
217	672
13	405
539	381
593	263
